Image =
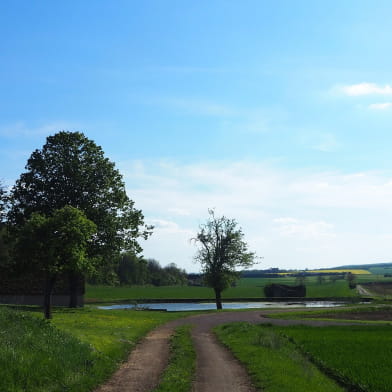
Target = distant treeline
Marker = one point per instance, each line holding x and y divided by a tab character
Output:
130	269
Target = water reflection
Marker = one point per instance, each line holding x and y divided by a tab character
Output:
188	306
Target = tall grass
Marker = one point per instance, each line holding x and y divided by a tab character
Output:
35	356
75	352
179	374
359	356
274	363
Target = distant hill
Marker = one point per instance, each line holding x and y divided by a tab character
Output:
365	266
375	268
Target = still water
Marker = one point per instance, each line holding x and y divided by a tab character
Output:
188	306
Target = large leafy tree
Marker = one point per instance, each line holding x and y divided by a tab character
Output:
55	245
4	248
3	202
71	169
221	251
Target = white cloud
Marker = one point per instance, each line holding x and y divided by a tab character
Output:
293	218
380	106
366	89
327	142
302	229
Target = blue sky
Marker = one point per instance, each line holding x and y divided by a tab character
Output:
276	113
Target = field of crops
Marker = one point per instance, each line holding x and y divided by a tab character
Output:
274	363
358	357
341	271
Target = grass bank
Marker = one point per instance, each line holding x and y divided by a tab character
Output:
76	351
178	376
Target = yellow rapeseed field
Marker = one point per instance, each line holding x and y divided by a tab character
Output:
336	271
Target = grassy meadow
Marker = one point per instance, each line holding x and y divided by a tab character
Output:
298	358
245	288
74	352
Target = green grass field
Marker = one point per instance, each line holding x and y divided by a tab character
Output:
279	358
246	288
76	351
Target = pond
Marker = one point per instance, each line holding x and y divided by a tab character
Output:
188	306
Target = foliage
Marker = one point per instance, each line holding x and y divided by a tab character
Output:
222	250
55	244
71	169
132	269
178	375
83	350
350	277
273	362
5	245
3	202
167	276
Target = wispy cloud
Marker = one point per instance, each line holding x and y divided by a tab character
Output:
327	143
321	141
380	106
366	89
287	215
200	106
302	229
20	129
186	69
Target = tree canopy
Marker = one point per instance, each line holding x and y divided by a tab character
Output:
3	202
221	250
71	170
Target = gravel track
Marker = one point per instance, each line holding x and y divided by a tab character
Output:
216	371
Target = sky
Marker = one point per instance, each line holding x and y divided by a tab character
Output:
274	113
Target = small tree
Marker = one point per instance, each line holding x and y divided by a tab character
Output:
56	244
320	279
350	277
222	250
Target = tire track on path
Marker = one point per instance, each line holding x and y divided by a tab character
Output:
216	370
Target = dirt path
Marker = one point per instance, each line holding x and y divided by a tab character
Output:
362	291
216	370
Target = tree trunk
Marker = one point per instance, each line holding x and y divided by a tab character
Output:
73	290
218	299
49	284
